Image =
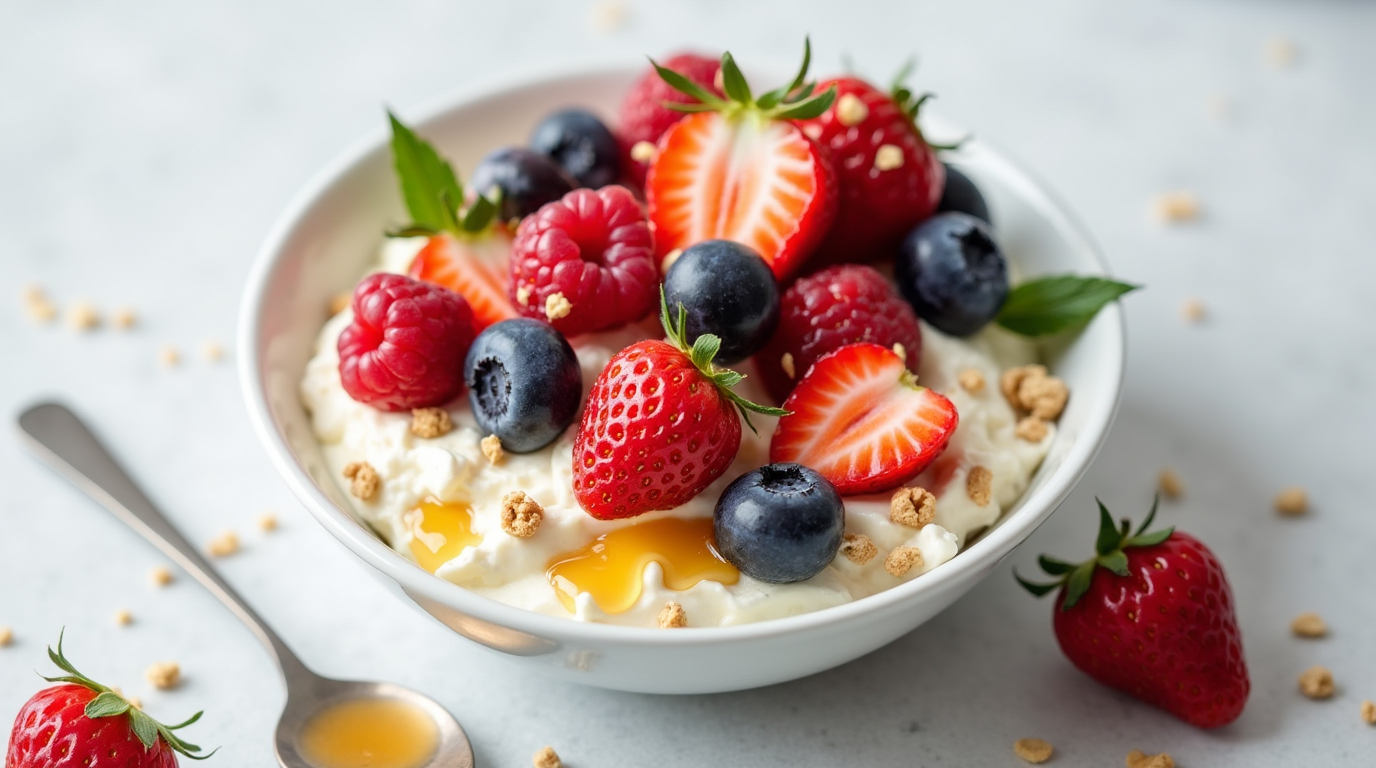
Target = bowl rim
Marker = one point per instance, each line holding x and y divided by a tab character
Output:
985	553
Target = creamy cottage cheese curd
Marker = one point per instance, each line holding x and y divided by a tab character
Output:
440	499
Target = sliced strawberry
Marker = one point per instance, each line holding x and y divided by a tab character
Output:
473	268
859	418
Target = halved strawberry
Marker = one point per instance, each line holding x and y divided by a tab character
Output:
474	268
859	418
741	170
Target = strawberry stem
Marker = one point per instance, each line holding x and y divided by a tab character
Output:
794	101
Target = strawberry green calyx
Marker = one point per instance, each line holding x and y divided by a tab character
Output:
1109	553
910	104
795	101
701	352
108	703
432	192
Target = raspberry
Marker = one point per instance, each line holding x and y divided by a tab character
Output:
406	344
585	262
825	311
643	114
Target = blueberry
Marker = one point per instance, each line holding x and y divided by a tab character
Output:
728	290
524	383
581	144
527	180
952	272
781	523
962	196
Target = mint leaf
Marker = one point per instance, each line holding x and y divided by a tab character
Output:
1053	304
428	185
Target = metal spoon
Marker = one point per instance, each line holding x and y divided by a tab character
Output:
55	434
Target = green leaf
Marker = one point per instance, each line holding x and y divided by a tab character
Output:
186	722
1054	567
686	87
809	108
1077	584
1053	304
705	348
425	179
1115	561
481	214
144	727
689	109
412	230
901	77
1109	538
1038	590
106	704
1150	539
1151	515
733	82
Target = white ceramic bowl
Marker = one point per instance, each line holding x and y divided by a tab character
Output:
330	235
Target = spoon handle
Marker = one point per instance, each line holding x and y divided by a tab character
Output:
58	437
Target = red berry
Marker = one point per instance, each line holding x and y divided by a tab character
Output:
823	312
594	250
888	178
406	344
643	114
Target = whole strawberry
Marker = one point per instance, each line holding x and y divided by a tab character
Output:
661	423
1152	615
81	723
888	178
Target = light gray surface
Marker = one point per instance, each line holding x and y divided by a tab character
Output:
145	148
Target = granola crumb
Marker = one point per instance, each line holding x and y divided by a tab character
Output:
1281	52
523	295
212	351
6	636
643	151
340	302
672	616
1292	501
492	449
557	306
164	675
124	618
224	545
609	16
161	576
1043	396
971	380
364	480
134	702
38	308
1169	484
1139	759
979	485
669	259
124	319
521	515
430	422
169	357
82	316
1031	429
267	522
888	157
786	363
1369	712
900	350
1309	624
1033	750
902	560
1193	311
1011	380
1176	207
547	758
858	548
913	507
850	110
1317	683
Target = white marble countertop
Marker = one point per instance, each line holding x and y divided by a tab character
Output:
145	148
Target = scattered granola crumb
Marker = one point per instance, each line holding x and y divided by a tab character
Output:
523	295
1292	501
6	636
1193	311
1139	759
1281	52
850	110
902	560
134	702
547	758
169	357
1012	378
971	380
340	302
1169	484
521	515
858	548
212	351
888	157
1033	750
364	479
267	522
164	675
430	422
900	350
913	507
669	259
786	363
813	131
161	576
609	16
1175	207
39	309
979	485
1031	429
1317	683
643	151
1044	396
1369	712
1309	624
492	449
224	545
82	316
557	306
671	616
123	617
124	319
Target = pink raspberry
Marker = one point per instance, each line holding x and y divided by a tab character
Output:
406	345
585	262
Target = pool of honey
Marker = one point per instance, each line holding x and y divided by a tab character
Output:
439	532
369	733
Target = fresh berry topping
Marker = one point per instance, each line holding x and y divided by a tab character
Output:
406	344
823	312
1151	614
859	418
888	179
728	291
585	262
474	268
644	117
524	383
661	423
525	180
82	723
740	169
780	523
581	145
962	196
953	273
